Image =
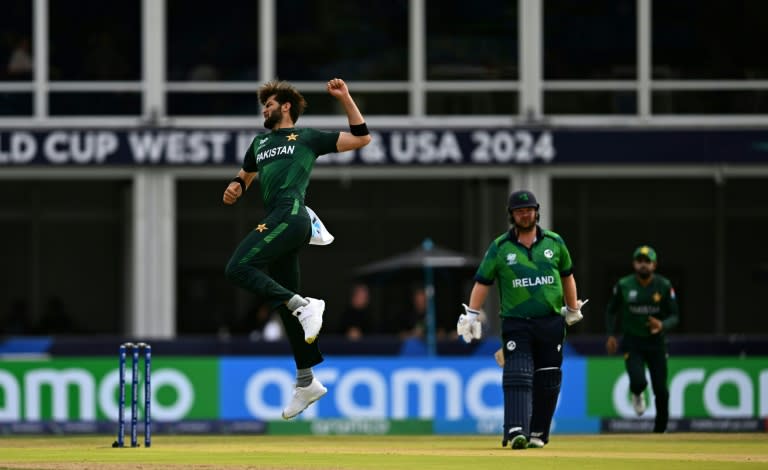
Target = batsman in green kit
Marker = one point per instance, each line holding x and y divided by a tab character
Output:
266	263
646	303
538	299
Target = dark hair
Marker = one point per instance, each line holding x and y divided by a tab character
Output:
284	92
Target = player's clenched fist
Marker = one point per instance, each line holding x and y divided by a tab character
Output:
337	88
232	193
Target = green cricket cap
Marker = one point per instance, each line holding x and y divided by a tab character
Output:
644	251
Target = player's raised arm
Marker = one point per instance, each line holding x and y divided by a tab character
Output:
358	135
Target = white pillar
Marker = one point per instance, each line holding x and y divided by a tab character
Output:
417	26
644	58
530	25
267	40
153	57
40	56
153	289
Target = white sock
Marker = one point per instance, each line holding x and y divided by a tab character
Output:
304	377
295	302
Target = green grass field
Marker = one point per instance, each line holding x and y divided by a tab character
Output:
615	451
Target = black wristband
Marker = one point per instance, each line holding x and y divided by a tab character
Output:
358	129
240	181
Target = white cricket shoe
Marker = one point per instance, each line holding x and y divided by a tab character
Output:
311	318
303	397
638	403
536	443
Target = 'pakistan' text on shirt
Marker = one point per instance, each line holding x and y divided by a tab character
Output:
273	152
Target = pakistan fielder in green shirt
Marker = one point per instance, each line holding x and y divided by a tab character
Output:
538	299
646	303
266	262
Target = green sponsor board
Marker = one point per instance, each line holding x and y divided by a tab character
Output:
86	389
351	426
699	387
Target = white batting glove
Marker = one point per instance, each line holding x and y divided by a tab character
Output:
573	316
468	326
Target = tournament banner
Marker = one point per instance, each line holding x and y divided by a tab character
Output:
194	390
378	395
365	388
369	395
85	390
702	388
397	147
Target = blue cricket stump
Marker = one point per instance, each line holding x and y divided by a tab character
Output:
147	395
134	395
135	357
121	410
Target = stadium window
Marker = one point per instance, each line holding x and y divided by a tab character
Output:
590	102
16	41
207	41
709	39
590	40
321	39
53	229
504	103
95	40
371	103
95	103
247	104
16	104
475	40
210	104
746	277
725	102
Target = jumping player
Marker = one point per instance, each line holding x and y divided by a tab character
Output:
283	159
535	277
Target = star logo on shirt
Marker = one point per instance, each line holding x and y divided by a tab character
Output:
293	136
261	227
656	297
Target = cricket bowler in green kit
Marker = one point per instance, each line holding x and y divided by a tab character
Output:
647	305
266	262
538	299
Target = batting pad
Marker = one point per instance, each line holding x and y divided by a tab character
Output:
546	389
517	384
320	234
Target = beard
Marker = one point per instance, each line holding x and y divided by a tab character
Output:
643	274
273	119
525	227
524	224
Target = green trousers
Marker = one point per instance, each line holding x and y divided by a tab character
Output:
266	263
640	352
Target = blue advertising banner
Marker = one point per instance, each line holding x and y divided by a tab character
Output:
460	394
366	387
422	147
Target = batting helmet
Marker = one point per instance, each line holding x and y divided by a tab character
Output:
521	199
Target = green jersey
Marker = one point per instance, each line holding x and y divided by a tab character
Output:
284	159
529	281
636	302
